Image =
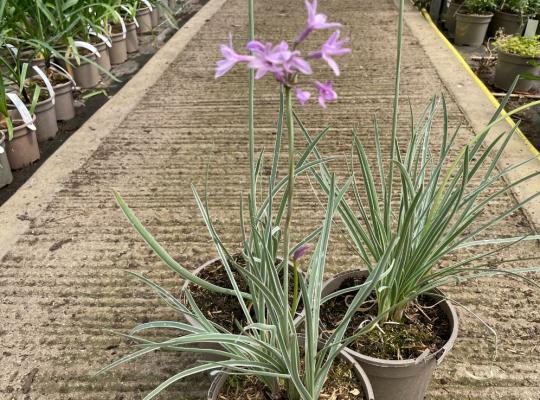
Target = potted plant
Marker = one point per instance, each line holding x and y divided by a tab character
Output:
510	17
516	55
271	352
144	17
130	18
450	21
63	85
472	21
433	213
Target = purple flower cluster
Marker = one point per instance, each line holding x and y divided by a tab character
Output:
286	63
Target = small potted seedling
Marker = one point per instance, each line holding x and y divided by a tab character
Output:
517	55
472	21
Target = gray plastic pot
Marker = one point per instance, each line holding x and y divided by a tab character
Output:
46	126
22	149
471	29
144	20
118	51
219	381
511	65
105	60
132	40
5	169
172	4
450	21
64	104
510	24
399	379
155	16
86	74
193	322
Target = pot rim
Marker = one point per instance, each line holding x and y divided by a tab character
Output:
478	16
439	355
506	53
219	379
18	130
143	10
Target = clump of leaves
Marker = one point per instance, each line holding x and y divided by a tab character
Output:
479	6
514	6
520	45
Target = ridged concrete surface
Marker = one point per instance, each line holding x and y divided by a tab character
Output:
64	283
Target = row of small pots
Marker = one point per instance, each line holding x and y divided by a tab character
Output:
381	379
23	149
87	74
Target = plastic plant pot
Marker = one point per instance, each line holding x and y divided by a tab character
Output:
22	149
5	169
511	65
64	104
105	60
118	51
144	19
46	126
509	24
86	74
132	40
471	29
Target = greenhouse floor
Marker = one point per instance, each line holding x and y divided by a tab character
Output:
65	246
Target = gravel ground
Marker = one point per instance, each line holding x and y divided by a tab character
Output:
64	283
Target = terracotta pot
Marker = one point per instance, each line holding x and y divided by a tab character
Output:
105	60
118	51
22	149
219	381
132	40
511	65
86	74
144	19
155	17
64	106
46	126
5	169
510	24
450	22
399	379
471	29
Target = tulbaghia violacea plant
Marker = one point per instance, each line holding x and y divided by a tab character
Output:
268	346
436	210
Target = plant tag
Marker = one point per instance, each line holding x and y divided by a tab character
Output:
101	36
122	24
530	29
1	151
25	114
67	74
87	46
13	49
123	7
148	4
46	80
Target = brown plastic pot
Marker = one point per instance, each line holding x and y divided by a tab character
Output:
510	24
132	40
471	29
450	21
399	379
155	16
219	381
105	60
5	169
64	103
118	51
86	74
46	126
511	65
144	20
22	149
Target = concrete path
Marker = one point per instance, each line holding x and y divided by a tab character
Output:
64	282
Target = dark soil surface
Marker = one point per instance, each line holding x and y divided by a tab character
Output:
424	326
86	107
221	309
341	384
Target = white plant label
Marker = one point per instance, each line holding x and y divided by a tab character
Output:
87	46
123	7
1	151
101	36
530	30
25	114
60	69
122	24
13	49
46	80
148	4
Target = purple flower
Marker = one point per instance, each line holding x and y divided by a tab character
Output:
302	96
277	60
326	92
300	252
315	21
231	58
332	48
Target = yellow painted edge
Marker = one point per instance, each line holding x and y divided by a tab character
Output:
479	83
